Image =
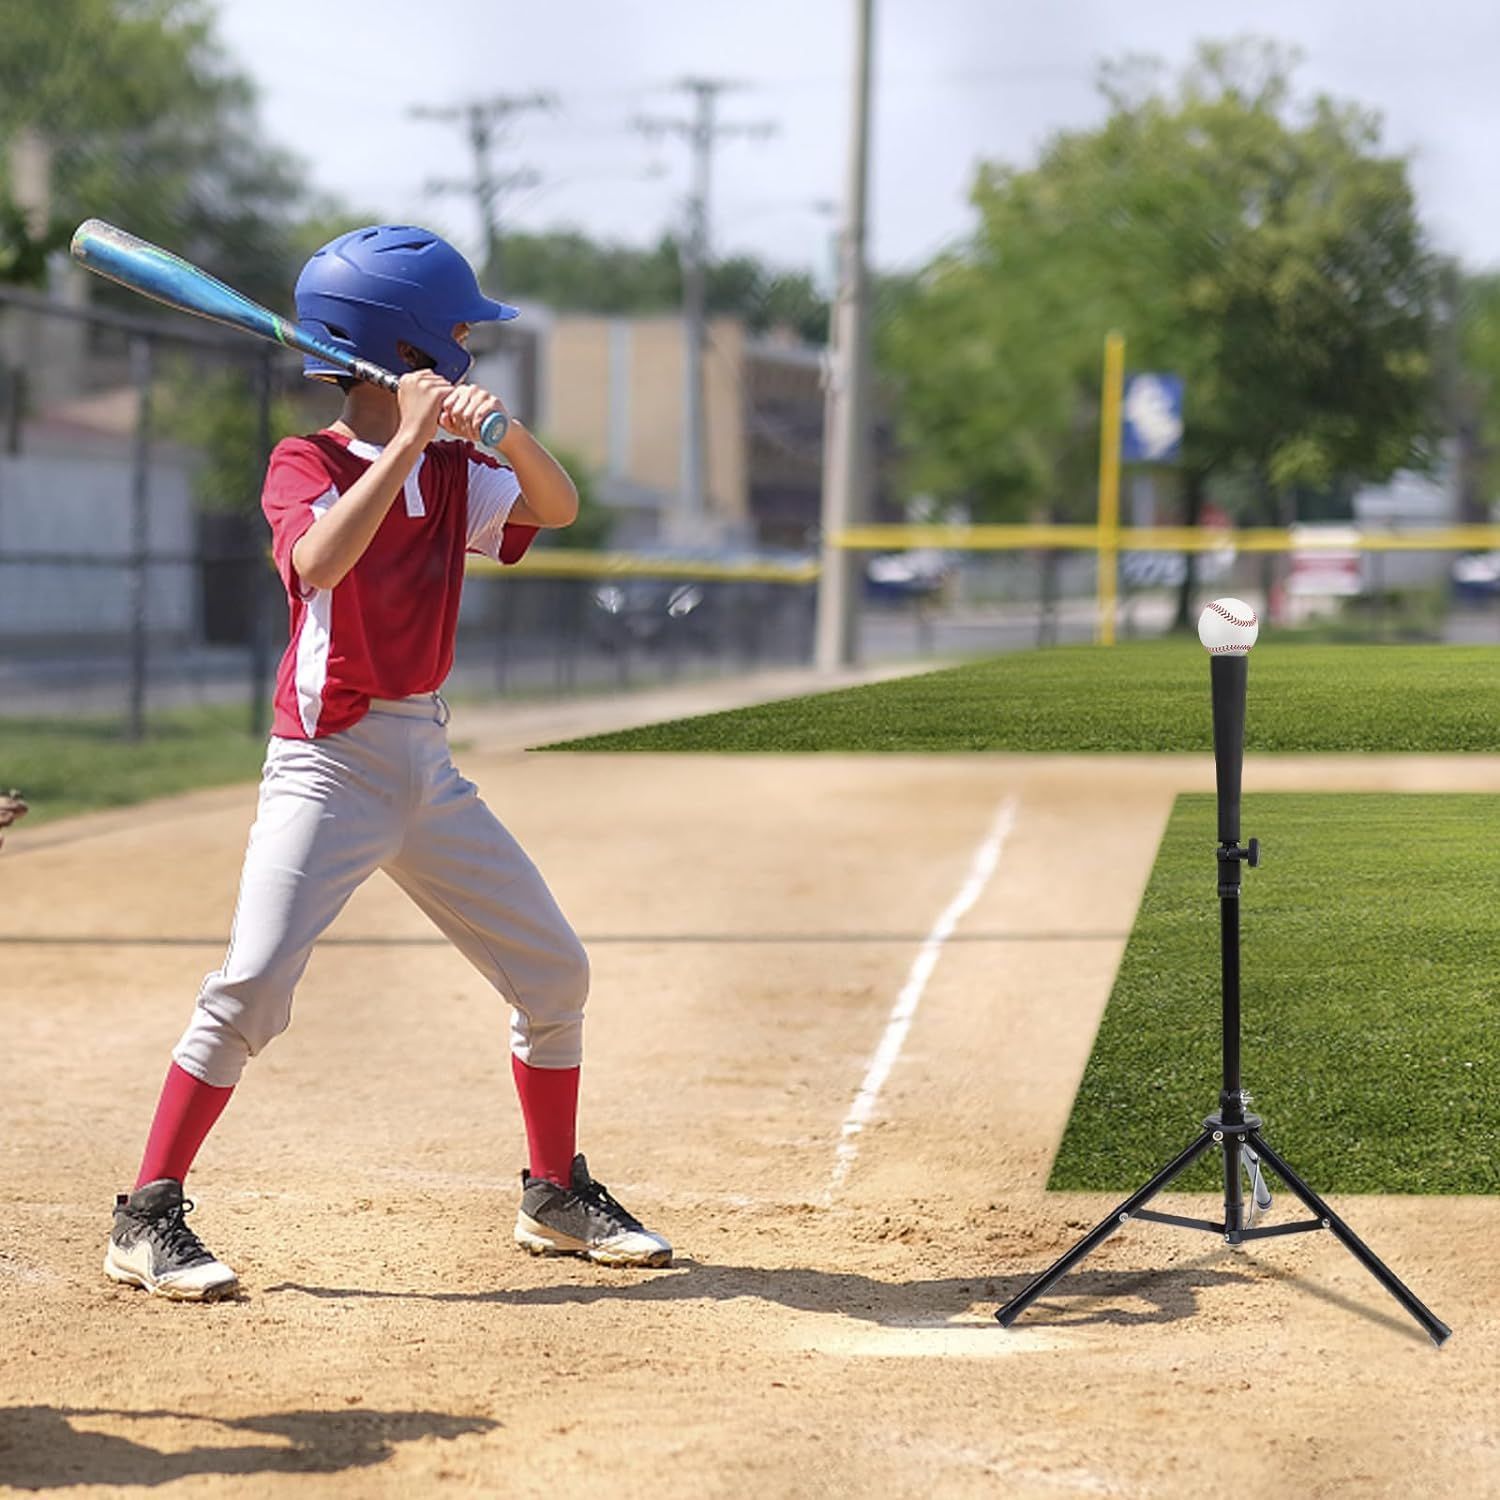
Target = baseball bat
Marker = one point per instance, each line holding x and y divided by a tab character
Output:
167	278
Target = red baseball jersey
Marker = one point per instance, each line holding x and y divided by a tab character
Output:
386	630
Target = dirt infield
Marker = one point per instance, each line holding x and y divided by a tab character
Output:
754	926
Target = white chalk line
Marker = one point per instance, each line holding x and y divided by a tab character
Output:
862	1110
962	1338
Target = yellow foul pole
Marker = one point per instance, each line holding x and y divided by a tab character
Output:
1109	484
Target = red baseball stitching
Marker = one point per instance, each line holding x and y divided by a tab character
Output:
1219	609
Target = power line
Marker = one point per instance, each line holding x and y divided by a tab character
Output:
487	123
703	131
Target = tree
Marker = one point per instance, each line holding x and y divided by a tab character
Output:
218	412
571	272
149	126
24	251
591	529
1262	247
567	270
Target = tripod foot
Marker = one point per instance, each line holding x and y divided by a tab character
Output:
1244	1151
1437	1330
1102	1231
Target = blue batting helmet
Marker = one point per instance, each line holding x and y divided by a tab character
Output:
373	289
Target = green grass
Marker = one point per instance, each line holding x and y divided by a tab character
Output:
1371	1025
68	766
1145	696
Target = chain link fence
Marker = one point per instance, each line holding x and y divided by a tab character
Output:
125	589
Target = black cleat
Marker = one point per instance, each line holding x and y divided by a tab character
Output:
582	1219
152	1247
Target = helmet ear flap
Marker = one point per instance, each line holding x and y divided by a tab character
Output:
413	358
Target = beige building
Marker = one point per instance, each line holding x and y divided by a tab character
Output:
612	390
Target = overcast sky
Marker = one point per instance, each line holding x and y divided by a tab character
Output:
957	81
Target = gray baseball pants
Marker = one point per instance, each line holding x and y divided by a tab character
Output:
384	795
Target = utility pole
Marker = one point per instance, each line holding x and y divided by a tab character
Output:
702	132
41	358
30	158
846	427
486	123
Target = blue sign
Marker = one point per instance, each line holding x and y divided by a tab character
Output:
1151	413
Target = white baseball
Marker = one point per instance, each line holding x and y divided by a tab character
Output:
1228	627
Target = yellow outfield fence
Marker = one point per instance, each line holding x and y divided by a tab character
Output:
567	562
1166	539
1107	543
549	562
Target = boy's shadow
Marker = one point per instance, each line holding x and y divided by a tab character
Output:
1090	1296
41	1449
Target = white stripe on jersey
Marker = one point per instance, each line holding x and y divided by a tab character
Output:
313	640
412	489
492	494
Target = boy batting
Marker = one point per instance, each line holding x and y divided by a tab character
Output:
371	520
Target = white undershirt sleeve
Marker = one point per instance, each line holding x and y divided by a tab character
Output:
492	493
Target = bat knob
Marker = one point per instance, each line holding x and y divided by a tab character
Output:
493	429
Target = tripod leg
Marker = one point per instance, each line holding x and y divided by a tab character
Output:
1260	1194
1234	1189
1102	1230
1436	1329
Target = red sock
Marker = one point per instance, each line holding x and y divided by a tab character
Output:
549	1105
185	1114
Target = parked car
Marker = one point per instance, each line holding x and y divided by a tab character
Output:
713	614
1477	575
640	611
907	575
